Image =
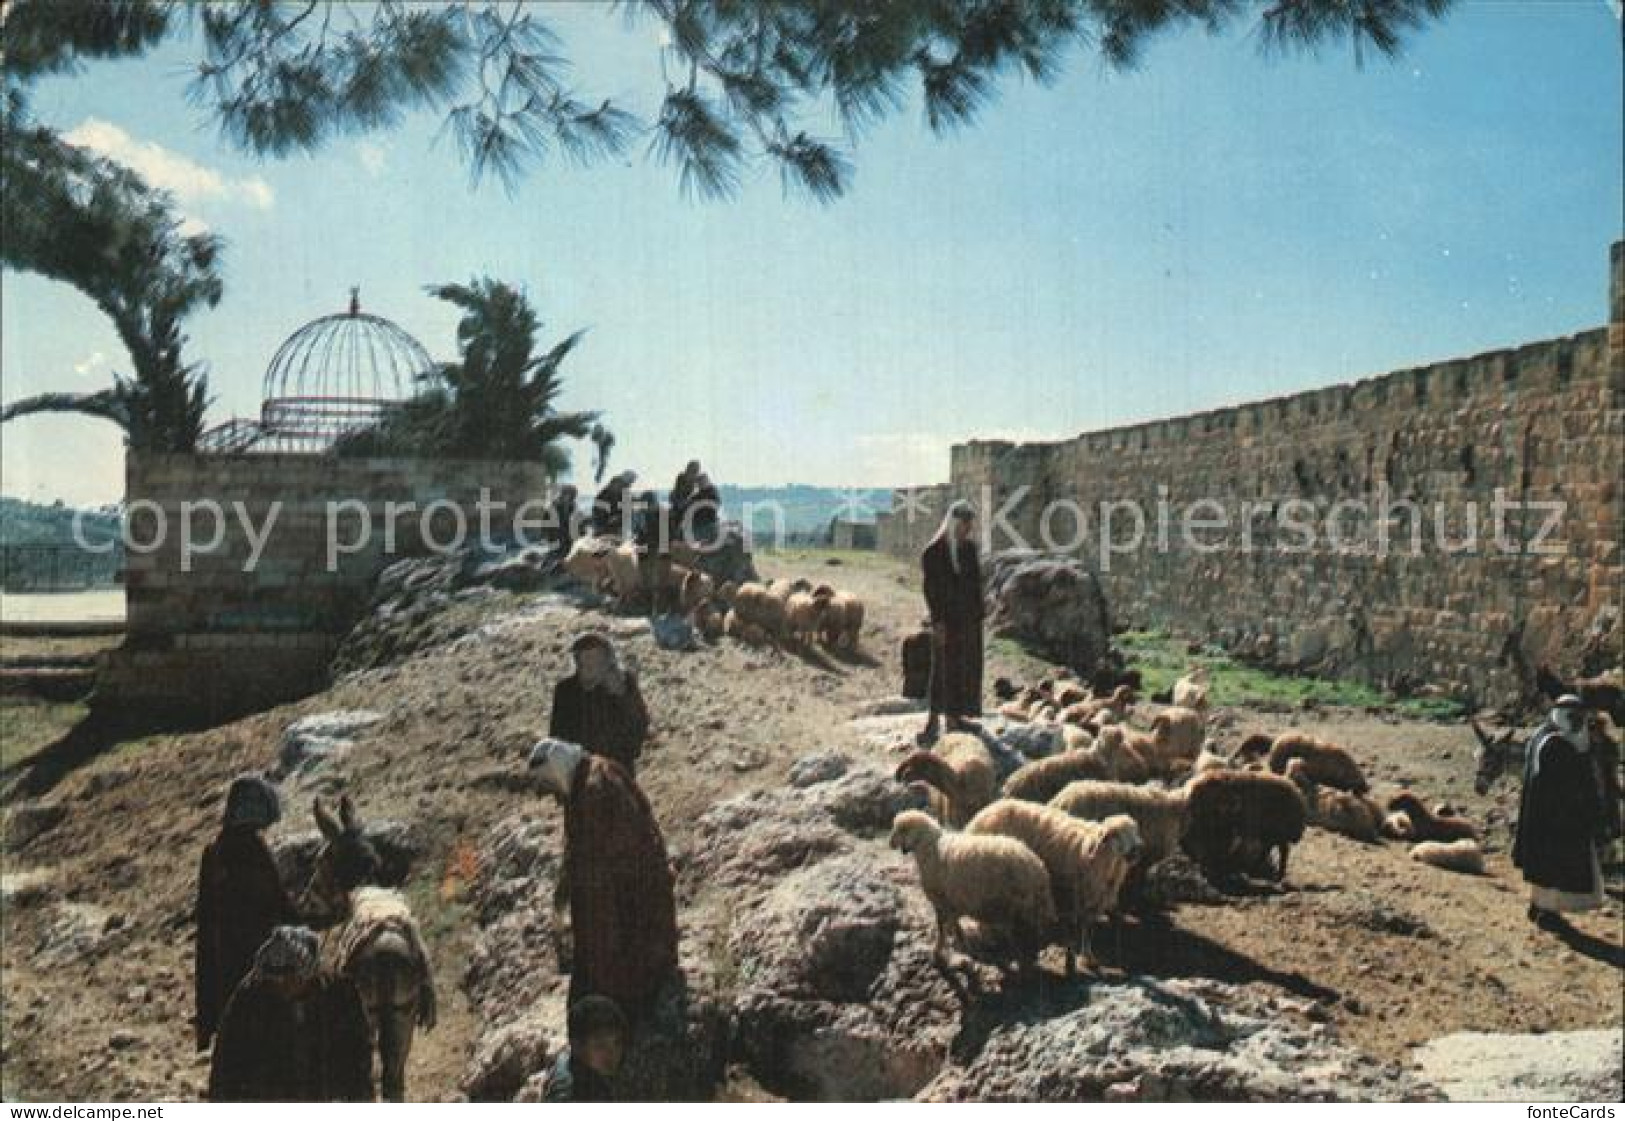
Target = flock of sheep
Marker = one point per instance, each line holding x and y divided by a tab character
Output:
1045	851
773	612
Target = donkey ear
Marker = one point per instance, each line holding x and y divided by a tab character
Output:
347	814
1483	736
326	822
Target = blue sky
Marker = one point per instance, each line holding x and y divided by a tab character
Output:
1210	228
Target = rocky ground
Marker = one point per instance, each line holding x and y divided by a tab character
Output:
805	940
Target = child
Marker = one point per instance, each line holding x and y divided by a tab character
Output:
585	1070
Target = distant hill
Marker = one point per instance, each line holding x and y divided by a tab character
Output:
39	551
806	510
31	523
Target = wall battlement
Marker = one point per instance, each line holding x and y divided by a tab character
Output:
1427	450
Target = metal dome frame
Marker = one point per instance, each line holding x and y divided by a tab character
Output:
332	376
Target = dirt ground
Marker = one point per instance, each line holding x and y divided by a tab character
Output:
1395	952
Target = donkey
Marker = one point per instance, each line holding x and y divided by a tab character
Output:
371	938
1492	756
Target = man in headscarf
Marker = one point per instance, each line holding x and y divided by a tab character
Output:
609	512
682	491
1562	820
240	899
704	511
600	706
563	521
292	1032
953	593
652	534
623	915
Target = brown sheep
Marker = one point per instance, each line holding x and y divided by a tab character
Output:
755	604
802	615
841	620
751	634
1237	819
1326	763
1337	811
961	767
1127	753
1422	824
1254	749
707	617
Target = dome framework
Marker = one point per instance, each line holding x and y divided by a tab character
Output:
334	375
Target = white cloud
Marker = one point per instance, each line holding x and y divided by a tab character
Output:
190	182
374	156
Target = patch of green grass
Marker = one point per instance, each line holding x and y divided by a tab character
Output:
27	727
1162	658
1024	663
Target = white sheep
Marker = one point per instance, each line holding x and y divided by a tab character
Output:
1125	752
1087	861
1178	734
994	880
1160	814
1191	691
1463	855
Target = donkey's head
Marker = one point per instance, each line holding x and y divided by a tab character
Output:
1491	757
346	861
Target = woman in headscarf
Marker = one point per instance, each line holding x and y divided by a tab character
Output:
1561	819
292	1032
600	706
952	573
240	899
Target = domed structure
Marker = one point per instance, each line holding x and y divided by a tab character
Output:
334	375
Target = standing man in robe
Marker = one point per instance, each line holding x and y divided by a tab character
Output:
952	573
1562	820
623	914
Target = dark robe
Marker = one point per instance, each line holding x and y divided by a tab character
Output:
240	899
570	1081
565	523
623	917
704	512
609	509
273	1049
682	495
955	602
1561	817
605	723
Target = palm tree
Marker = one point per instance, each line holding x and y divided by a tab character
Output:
499	400
90	223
